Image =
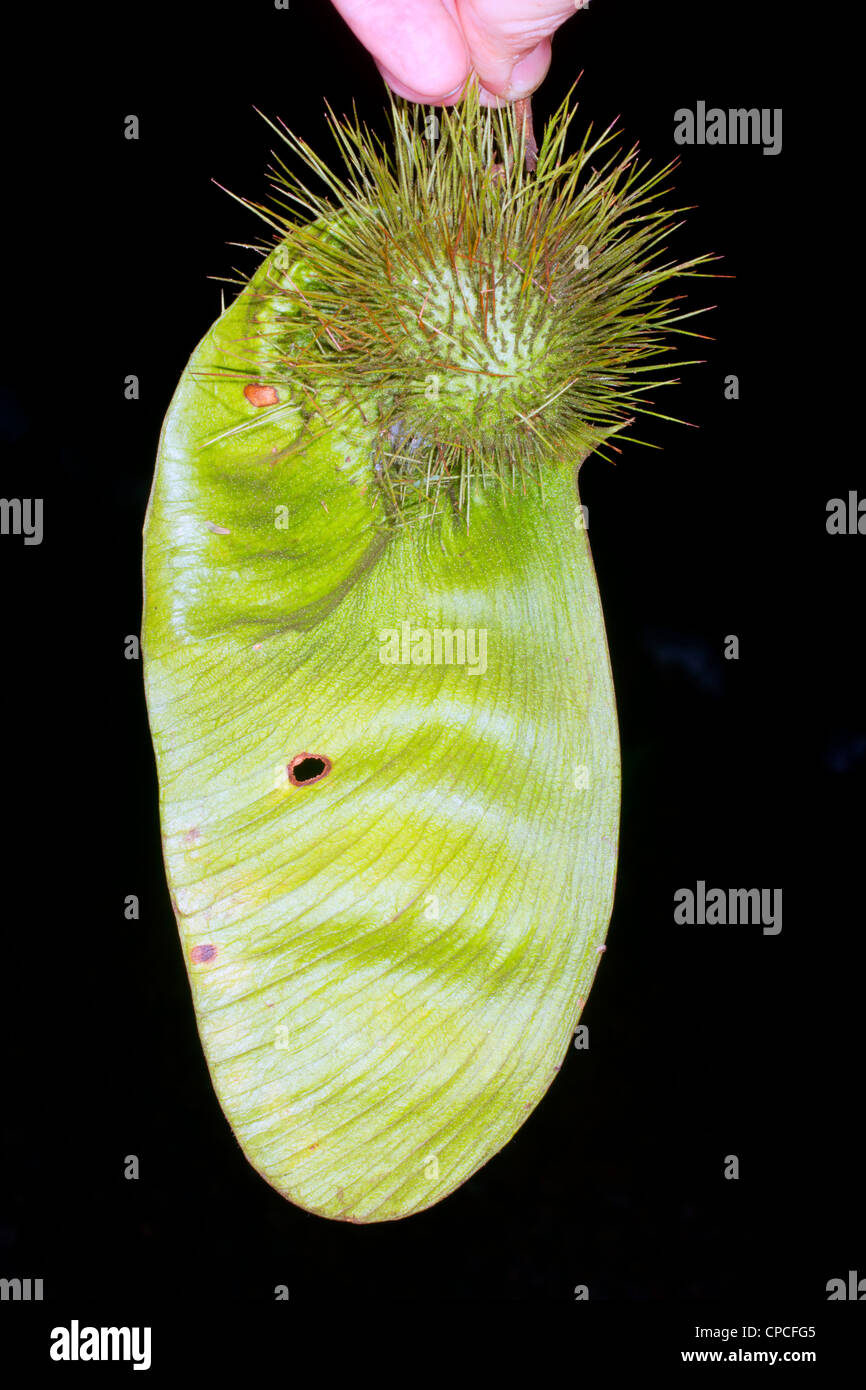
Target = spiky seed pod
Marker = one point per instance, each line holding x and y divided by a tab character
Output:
492	320
384	719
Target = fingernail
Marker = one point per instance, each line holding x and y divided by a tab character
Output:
529	73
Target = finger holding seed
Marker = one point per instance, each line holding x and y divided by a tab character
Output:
509	42
427	49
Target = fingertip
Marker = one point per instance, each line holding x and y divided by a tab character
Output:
528	74
402	89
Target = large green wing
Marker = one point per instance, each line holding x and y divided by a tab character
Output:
387	963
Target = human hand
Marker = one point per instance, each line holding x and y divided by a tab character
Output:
426	49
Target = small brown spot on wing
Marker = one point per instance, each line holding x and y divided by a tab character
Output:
260	395
202	954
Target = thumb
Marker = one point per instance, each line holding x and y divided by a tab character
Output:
509	48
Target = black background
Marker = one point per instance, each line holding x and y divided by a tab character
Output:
704	1041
